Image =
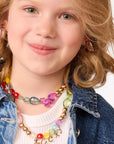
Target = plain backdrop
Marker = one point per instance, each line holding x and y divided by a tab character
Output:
107	91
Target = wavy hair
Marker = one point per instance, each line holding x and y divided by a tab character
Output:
88	68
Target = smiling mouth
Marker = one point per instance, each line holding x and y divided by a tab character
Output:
42	49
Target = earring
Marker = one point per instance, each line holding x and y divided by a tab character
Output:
89	45
7	45
2	31
2	60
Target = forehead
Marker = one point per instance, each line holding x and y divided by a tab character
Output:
49	4
47	1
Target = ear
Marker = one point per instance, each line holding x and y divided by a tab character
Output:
5	24
83	41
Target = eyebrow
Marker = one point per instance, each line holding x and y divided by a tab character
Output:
36	1
29	0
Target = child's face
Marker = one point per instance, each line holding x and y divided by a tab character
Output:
44	35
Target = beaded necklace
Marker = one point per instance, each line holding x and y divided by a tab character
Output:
54	131
32	100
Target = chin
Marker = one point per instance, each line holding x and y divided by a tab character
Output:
41	72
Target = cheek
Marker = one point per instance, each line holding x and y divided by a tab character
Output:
16	25
72	36
16	32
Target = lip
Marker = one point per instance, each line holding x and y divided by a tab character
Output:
41	49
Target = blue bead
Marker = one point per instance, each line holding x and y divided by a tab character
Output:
55	127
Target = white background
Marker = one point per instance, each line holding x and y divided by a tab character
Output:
107	91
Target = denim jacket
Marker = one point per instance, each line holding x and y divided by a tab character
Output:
92	118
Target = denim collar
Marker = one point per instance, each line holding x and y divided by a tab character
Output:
86	99
3	95
83	98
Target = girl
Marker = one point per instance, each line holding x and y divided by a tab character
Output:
52	55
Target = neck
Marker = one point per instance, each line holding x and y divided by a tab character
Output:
30	84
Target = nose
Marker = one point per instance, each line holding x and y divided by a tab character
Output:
46	28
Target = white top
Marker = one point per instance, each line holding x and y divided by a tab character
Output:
43	122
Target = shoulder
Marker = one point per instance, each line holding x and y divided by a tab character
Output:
95	113
105	109
106	121
99	130
106	113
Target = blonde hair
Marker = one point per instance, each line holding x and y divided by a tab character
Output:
87	69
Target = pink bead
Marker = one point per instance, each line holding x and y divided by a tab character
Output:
47	103
59	122
52	96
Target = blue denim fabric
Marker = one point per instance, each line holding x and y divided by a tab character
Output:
92	118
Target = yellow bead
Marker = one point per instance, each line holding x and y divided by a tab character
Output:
46	135
7	80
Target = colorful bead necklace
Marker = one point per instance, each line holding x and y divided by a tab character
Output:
32	100
55	131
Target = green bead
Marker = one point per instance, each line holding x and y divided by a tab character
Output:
51	131
66	103
69	92
68	97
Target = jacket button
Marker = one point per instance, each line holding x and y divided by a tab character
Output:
78	132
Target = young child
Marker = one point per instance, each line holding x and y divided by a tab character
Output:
52	54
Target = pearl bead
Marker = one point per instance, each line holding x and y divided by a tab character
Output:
60	89
63	114
25	128
28	132
64	110
21	125
61	118
63	86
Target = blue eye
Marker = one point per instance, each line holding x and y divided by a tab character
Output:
66	16
31	10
